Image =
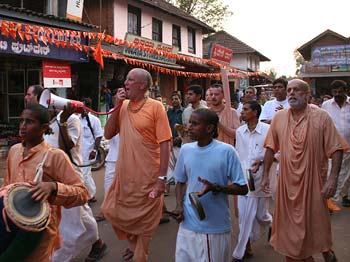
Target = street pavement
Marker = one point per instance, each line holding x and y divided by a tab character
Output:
164	240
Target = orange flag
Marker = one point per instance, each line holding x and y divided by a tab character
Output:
98	54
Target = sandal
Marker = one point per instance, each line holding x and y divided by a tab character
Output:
92	200
330	256
96	252
128	255
100	217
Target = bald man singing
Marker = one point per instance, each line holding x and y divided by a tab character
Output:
133	204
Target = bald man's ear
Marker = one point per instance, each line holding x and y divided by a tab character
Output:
144	86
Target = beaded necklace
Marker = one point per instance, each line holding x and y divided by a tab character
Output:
137	109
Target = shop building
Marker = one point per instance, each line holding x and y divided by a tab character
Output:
150	24
244	59
32	32
327	58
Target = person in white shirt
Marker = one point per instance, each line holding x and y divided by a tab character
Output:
249	95
194	98
280	102
91	139
339	109
111	161
252	208
78	228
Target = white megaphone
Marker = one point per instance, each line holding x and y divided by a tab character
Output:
47	99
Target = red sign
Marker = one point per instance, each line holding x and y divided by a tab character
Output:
56	74
221	53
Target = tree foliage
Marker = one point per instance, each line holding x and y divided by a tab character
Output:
211	12
271	73
299	61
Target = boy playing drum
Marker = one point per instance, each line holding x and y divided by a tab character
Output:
60	185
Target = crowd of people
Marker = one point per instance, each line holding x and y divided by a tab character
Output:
211	150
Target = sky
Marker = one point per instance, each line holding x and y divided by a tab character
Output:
276	28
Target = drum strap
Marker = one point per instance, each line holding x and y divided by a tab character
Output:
4	217
39	169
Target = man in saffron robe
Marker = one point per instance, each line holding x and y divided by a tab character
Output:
134	202
229	120
306	138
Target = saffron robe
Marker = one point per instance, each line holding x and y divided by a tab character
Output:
301	223
228	117
127	205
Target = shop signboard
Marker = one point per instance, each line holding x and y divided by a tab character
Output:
75	9
340	68
139	49
220	53
330	55
30	48
56	74
311	68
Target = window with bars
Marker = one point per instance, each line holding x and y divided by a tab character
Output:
157	30
191	40
134	20
176	36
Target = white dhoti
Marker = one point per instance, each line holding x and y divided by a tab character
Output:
109	174
78	230
253	218
343	188
197	247
89	181
174	154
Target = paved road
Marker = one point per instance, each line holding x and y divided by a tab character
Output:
163	243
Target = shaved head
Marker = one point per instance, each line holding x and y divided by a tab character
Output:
143	75
300	83
137	83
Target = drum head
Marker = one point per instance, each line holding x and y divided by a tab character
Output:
197	206
24	211
25	205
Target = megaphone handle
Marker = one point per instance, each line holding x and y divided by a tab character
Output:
103	113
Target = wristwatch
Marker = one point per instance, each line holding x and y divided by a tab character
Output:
63	124
164	178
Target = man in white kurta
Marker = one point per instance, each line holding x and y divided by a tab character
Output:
253	208
269	110
92	135
339	109
78	227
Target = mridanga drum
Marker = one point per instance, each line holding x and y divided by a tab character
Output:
22	220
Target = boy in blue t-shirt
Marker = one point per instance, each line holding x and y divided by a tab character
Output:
203	166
